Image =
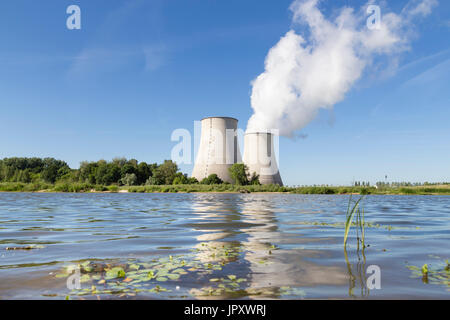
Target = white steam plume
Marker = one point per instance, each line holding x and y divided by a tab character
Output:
304	75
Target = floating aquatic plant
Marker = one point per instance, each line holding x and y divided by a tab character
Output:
26	248
233	290
438	275
353	224
133	277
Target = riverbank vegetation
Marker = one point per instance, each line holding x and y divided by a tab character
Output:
122	175
224	187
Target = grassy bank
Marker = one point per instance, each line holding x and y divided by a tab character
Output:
209	188
434	190
188	188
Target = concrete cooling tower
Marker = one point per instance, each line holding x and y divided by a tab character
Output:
218	149
259	156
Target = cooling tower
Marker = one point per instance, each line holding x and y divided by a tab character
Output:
218	149
259	156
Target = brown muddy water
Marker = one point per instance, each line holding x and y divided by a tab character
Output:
219	246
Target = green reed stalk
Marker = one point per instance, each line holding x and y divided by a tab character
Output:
349	217
362	228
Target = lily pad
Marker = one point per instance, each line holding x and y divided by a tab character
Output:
162	279
162	273
173	276
179	270
116	272
134	266
85	263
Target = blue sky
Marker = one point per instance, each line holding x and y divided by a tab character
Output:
137	70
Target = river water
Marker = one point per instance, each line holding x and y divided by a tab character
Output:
203	246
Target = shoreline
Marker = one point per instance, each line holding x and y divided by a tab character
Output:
37	187
124	191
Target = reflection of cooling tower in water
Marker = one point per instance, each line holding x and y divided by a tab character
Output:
274	267
218	148
260	157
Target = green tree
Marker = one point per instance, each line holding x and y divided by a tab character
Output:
180	179
254	179
113	175
212	179
165	173
119	162
24	169
133	162
144	171
50	174
151	181
100	173
87	171
52	169
130	179
128	168
192	180
24	176
239	174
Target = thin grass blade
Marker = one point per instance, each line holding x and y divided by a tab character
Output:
349	219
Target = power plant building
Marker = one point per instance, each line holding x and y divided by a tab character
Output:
260	157
219	150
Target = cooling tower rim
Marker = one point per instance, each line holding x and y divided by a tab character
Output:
259	133
220	118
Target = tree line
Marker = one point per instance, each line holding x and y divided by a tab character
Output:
119	171
28	170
